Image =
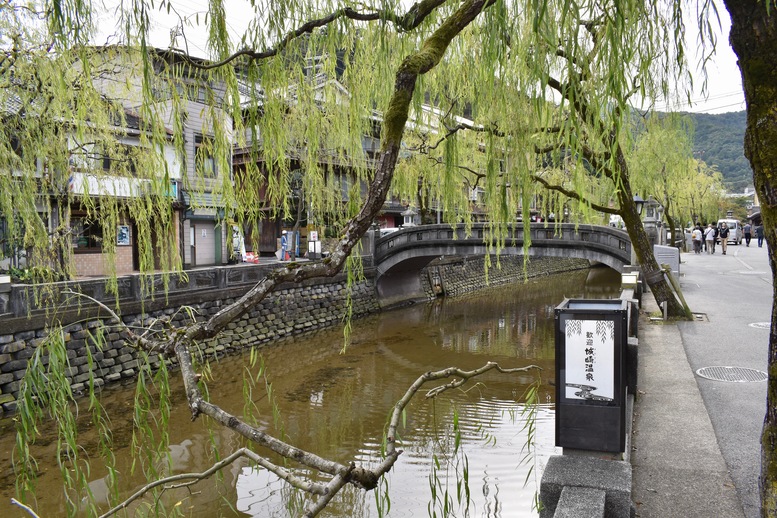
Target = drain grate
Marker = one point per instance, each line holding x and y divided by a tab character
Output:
731	374
700	317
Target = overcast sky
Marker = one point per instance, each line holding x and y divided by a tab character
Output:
724	83
724	79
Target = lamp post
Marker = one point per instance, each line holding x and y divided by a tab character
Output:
409	217
661	231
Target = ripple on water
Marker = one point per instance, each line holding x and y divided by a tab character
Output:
337	406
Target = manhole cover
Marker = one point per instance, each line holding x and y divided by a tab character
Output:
732	374
761	325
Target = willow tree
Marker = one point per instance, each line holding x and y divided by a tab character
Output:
666	170
540	80
553	112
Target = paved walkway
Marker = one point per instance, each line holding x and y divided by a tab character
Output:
696	450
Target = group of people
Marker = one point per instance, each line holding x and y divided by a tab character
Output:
706	238
759	234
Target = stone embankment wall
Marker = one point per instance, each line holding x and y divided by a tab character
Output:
295	309
289	311
456	275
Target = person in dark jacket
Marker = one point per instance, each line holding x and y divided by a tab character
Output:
723	234
759	234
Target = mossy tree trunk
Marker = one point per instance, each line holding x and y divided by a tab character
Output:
643	248
754	39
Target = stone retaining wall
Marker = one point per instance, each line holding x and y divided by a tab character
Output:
457	275
289	311
293	310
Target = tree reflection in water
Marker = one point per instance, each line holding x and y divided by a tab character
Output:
337	406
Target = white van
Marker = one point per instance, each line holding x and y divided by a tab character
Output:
735	232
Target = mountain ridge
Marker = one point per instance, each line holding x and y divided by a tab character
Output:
718	139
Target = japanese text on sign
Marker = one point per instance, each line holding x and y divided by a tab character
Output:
590	360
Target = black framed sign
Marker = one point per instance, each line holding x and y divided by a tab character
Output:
590	374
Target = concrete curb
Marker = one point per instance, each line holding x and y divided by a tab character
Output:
586	487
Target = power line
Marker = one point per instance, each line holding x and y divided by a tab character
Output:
741	104
693	104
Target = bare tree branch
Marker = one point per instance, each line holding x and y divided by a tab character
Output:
467	375
143	342
404	23
27	509
341	474
573	195
192	478
394	122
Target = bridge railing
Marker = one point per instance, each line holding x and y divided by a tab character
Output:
609	239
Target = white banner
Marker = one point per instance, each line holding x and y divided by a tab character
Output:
590	360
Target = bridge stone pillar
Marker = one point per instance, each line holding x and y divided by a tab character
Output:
403	284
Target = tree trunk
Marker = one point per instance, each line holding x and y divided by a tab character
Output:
754	39
296	227
673	231
643	248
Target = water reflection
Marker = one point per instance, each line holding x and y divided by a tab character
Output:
337	406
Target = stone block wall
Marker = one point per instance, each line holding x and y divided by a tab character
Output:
457	275
292	310
289	311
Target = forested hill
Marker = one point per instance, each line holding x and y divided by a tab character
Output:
718	140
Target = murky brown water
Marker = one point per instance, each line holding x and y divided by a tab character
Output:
337	405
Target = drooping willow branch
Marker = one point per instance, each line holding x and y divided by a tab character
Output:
180	342
395	119
342	474
492	130
404	23
586	152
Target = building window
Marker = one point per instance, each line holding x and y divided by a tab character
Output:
16	146
204	162
87	235
121	160
5	239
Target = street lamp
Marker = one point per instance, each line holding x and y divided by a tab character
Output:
639	202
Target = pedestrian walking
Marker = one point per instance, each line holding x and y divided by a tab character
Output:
715	241
759	234
723	234
709	237
748	233
696	239
702	228
284	245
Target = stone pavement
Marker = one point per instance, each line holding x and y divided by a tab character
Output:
695	444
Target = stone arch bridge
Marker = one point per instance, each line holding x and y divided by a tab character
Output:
400	256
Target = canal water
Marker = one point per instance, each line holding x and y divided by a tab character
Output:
336	404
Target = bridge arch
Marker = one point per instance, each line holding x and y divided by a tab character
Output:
400	256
